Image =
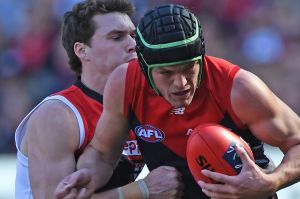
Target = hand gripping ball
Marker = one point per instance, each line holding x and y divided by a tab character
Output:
211	146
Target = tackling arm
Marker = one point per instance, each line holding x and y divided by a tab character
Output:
102	155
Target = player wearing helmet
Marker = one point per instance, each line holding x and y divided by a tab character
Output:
172	88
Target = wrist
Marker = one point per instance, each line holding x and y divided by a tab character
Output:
136	190
144	189
273	185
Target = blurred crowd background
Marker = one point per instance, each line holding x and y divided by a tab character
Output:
262	36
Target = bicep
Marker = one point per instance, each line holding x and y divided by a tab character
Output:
52	140
281	130
270	119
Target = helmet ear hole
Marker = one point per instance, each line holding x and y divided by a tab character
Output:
168	35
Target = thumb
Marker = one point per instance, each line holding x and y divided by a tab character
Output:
63	189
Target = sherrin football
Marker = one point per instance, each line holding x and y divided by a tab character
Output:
211	146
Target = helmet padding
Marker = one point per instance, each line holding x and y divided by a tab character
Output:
166	36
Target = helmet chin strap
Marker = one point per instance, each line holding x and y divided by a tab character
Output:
200	74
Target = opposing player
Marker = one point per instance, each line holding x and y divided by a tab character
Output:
98	36
172	88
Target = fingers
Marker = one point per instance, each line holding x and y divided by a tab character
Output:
234	186
218	177
67	187
215	190
63	189
84	194
65	193
222	178
243	155
71	195
201	184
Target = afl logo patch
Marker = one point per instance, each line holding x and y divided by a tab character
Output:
149	133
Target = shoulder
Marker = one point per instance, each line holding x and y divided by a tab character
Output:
251	98
216	61
219	68
247	83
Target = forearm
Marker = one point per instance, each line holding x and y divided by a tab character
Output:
134	190
101	169
288	171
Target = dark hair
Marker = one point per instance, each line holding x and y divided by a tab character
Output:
78	25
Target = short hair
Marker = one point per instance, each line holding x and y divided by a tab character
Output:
78	25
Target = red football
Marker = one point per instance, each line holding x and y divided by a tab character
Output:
211	146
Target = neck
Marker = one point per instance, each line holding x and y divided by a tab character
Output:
96	84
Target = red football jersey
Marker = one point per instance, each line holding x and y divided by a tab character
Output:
162	131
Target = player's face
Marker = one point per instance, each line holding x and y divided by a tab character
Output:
177	84
113	42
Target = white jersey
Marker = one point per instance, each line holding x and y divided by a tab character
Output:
22	182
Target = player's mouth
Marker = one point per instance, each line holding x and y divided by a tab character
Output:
132	57
182	94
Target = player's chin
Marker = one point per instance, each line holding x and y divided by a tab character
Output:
178	103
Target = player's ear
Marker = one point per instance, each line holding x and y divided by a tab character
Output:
81	50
